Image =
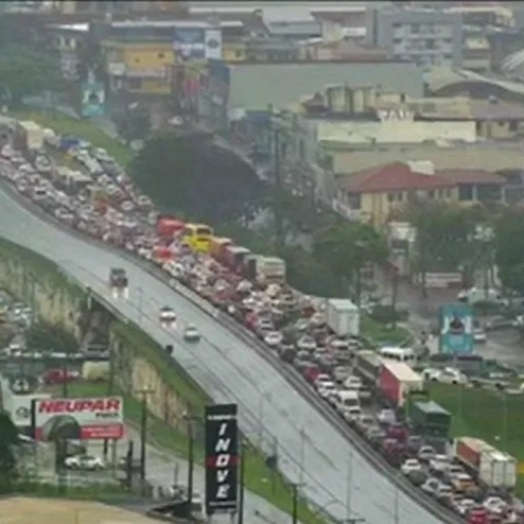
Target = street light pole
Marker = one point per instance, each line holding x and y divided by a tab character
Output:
349	486
241	483
143	431
190	459
294	508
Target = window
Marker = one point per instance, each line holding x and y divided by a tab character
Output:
161	55
513	126
466	192
415	28
391	197
432	193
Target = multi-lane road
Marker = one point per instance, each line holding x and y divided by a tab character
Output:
310	448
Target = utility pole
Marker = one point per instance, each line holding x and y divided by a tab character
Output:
396	514
294	509
190	459
241	483
349	486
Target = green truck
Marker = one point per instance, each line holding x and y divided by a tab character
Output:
430	420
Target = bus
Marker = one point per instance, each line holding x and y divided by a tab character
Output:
198	237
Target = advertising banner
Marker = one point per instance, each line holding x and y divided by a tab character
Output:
456	329
78	418
221	430
19	408
197	43
93	99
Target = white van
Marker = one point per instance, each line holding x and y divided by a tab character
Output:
344	400
398	354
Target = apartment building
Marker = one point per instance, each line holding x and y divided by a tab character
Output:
426	37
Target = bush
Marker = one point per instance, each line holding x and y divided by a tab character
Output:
42	335
388	315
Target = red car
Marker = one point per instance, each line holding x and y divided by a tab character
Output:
60	376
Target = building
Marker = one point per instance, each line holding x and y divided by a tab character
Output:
446	82
83	6
68	40
256	86
140	69
342	22
502	44
423	36
379	193
476	49
484	15
345	50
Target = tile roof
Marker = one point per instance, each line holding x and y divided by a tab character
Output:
471	176
393	177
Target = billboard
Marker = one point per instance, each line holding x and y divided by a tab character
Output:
19	408
221	431
456	329
197	43
78	418
93	99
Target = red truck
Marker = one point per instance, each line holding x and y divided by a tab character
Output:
60	376
396	380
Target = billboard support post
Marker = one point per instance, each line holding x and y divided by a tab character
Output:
241	483
143	436
191	459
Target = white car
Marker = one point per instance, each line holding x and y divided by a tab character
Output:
464	506
353	382
327	389
410	466
273	339
85	462
386	416
321	379
445	376
479	336
306	344
191	333
167	315
426	453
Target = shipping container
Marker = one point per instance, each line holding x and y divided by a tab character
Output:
396	380
343	317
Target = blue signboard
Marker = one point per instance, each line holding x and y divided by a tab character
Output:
93	99
456	329
189	43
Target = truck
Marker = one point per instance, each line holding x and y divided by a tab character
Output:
368	364
269	270
491	467
29	136
430	420
396	380
343	317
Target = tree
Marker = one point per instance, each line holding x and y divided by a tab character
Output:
8	438
447	236
509	249
134	124
190	174
42	335
25	72
347	248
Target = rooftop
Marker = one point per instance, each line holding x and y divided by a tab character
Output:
431	407
443	77
400	176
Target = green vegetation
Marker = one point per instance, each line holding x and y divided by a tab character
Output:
380	334
490	415
259	479
84	129
42	335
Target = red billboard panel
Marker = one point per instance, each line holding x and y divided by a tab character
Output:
78	418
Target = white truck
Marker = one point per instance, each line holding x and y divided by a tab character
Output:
343	317
492	467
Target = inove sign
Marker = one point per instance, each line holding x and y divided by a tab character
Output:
78	418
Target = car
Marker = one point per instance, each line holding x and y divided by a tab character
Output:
191	333
430	486
353	382
167	315
273	339
353	414
410	466
479	335
326	389
118	281
445	376
306	343
85	462
439	464
386	417
426	453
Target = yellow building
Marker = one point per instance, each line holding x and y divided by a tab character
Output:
234	52
141	68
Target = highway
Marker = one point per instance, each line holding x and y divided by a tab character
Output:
311	449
